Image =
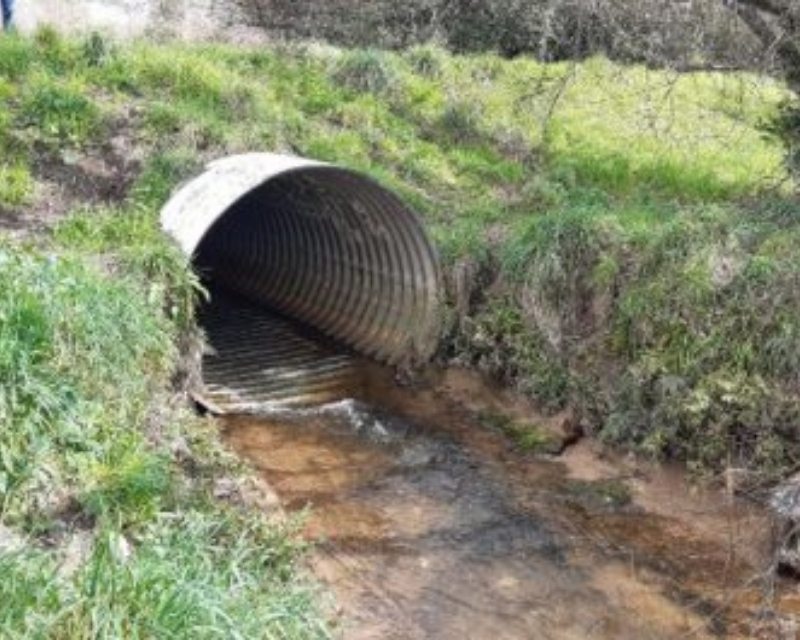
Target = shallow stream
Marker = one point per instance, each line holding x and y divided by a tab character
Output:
430	524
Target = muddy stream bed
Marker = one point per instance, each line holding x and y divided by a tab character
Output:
428	523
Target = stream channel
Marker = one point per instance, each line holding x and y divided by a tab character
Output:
428	522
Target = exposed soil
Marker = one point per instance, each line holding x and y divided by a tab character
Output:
100	175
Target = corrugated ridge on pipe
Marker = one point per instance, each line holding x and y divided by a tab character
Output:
324	245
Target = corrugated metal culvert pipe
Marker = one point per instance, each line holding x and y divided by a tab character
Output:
320	244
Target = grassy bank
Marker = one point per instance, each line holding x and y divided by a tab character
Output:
616	240
111	523
122	514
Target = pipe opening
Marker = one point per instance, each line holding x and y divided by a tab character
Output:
322	245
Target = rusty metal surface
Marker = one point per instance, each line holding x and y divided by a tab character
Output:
257	361
324	245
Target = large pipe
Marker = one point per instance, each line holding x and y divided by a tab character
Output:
318	243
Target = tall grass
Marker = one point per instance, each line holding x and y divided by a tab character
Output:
16	186
73	346
83	360
195	574
117	538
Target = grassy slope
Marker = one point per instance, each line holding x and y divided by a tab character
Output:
111	523
604	249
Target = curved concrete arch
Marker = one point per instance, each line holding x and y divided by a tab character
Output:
322	244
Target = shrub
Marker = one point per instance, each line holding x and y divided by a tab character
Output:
365	71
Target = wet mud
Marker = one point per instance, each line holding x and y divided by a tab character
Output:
428	524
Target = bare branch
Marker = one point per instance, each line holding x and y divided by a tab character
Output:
774	7
773	23
758	24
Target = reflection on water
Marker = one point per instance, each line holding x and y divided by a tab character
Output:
429	525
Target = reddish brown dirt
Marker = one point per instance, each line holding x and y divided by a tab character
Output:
431	525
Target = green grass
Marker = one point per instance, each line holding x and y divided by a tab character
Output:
83	357
90	320
528	437
61	111
16	186
627	129
73	346
197	574
453	132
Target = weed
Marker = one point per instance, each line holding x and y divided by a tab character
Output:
130	485
16	57
58	54
599	494
366	71
97	51
16	186
180	74
528	437
427	60
197	574
60	111
460	122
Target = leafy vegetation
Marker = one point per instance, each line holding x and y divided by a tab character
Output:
109	526
16	185
614	239
528	437
83	358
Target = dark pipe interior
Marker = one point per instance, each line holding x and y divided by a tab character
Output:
335	251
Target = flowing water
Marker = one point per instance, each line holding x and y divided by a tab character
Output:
428	522
418	539
430	526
